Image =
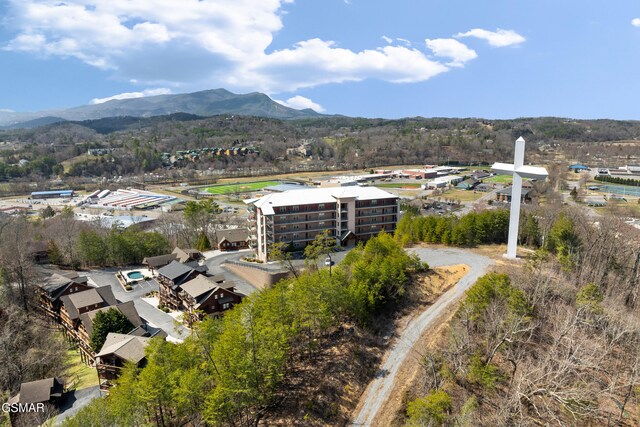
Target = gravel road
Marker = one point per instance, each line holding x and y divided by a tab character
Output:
380	388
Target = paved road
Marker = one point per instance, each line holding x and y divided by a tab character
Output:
380	388
214	262
75	401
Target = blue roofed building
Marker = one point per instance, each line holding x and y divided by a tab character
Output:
577	168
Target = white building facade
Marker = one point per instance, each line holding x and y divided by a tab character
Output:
296	217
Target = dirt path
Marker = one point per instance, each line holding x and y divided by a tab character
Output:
380	389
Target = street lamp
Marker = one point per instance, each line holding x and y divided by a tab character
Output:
328	261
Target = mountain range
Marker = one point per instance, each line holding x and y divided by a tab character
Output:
204	103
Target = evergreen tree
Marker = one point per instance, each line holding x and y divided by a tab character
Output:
111	320
47	212
203	243
55	256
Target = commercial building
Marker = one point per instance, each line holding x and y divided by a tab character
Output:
349	214
53	194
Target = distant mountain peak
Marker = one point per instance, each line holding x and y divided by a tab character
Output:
204	103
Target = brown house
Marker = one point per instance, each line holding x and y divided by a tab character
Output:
188	255
207	296
233	239
181	255
119	349
171	277
39	251
82	302
155	262
56	286
74	306
84	328
45	395
504	195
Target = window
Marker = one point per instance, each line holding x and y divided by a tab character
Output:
295	208
321	223
321	206
216	296
374	202
225	306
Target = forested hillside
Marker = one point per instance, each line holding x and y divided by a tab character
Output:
551	342
137	144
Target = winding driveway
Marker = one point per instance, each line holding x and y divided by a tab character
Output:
379	389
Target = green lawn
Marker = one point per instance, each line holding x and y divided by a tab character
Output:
498	178
398	185
463	195
77	374
241	187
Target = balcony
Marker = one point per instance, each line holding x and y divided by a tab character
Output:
327	226
305	219
305	209
381	222
379	204
385	212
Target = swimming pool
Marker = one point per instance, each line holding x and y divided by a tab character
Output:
135	275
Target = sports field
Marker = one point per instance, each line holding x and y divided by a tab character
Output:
503	179
398	185
240	187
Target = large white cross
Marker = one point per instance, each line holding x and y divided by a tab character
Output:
519	171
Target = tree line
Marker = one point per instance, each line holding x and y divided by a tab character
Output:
618	180
487	227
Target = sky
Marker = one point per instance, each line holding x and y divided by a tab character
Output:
364	58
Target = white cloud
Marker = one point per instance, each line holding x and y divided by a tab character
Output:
498	38
129	95
635	22
300	103
389	40
196	44
314	62
6	110
451	48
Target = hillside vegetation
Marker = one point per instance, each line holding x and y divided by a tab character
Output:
553	342
334	142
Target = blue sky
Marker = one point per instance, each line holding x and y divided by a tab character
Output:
369	58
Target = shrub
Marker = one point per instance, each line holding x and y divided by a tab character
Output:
433	409
590	297
483	374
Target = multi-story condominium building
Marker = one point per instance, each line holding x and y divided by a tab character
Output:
296	217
